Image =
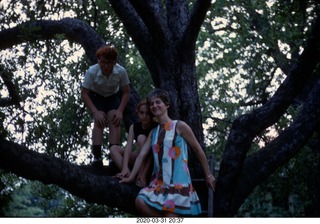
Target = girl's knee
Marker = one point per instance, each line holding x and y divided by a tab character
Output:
141	140
115	149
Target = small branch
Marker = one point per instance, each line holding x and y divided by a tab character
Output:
12	89
197	16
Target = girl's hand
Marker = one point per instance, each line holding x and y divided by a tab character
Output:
211	181
124	173
125	180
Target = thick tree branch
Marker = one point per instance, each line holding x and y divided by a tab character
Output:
154	17
197	16
131	21
267	160
139	33
292	85
80	181
75	30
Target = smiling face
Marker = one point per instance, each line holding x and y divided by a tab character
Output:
157	106
159	101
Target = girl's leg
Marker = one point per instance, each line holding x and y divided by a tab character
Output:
148	211
141	139
170	214
145	209
116	153
142	174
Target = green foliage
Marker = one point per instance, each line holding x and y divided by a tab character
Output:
23	205
34	199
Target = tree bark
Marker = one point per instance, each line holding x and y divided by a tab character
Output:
75	30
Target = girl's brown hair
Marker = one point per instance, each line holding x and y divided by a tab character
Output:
141	103
160	93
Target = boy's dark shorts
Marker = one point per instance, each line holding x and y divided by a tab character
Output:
104	104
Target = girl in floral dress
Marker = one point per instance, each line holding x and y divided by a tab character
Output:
170	192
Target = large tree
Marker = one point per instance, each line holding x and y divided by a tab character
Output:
165	34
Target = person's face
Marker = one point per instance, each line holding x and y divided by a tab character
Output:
144	114
106	66
157	106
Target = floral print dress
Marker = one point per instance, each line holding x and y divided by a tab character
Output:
170	188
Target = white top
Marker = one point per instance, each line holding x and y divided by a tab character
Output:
97	82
